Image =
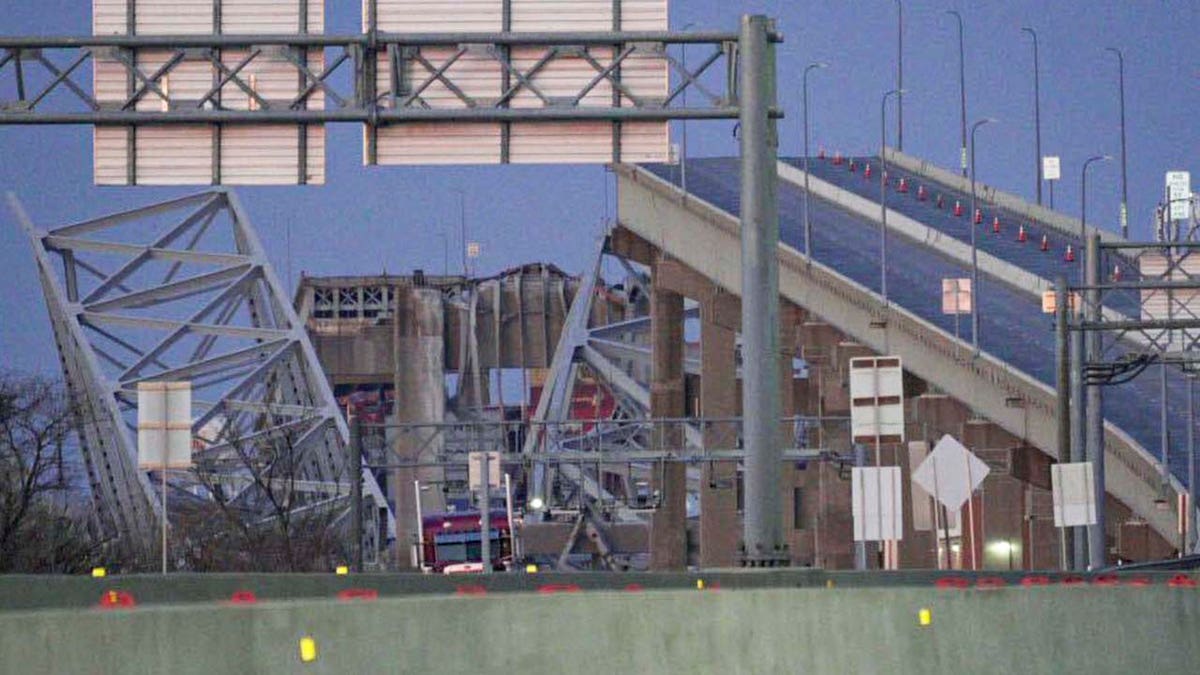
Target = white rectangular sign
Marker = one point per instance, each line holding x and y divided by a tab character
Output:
951	473
1074	496
1051	168
1179	194
164	427
475	469
877	503
877	399
956	296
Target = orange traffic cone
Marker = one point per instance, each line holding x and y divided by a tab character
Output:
996	224
978	216
903	185
1045	243
837	159
1070	256
921	194
958	209
1022	236
1116	273
867	170
820	153
941	202
853	167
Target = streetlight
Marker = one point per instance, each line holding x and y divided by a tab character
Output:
900	75
962	90
1124	183
974	248
807	224
683	128
1083	205
883	192
1037	114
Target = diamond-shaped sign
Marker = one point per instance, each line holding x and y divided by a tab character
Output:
950	473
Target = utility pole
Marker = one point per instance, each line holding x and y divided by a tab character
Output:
1037	114
1062	318
763	520
962	91
1097	545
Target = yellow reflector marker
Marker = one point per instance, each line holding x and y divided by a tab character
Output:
342	570
99	572
829	583
308	649
531	569
699	584
924	616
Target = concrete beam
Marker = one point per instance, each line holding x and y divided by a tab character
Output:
668	535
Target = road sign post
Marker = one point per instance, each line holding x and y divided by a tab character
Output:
1052	172
164	437
952	474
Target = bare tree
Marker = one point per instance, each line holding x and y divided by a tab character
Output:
43	523
262	515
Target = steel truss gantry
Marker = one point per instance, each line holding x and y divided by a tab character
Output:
183	290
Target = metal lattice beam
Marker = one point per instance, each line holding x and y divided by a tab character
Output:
199	301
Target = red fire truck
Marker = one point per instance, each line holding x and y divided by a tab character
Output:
451	542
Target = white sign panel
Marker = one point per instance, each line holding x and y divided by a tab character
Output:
1179	194
164	425
956	296
540	82
951	473
475	469
1051	168
1074	497
877	399
206	154
878	503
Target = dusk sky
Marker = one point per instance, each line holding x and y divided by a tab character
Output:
368	220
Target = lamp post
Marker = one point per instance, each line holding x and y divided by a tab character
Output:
683	128
807	223
1124	183
962	91
1083	204
900	75
974	248
883	193
1037	114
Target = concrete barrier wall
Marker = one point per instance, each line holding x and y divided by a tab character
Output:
1013	630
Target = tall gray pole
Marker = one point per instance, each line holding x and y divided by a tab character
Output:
974	248
900	75
1078	423
962	91
804	96
1062	318
683	128
1083	236
763	526
1037	114
883	249
1191	543
485	513
1097	549
1124	179
356	497
860	547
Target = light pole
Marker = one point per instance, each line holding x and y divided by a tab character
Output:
962	91
1083	204
974	248
1037	114
900	75
683	128
1124	183
462	228
883	193
804	96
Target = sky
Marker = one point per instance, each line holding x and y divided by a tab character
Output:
367	220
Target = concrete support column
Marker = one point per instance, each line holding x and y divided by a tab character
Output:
668	535
720	527
420	375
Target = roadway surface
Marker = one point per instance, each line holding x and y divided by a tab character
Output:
1012	326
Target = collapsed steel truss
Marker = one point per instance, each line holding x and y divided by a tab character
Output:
182	290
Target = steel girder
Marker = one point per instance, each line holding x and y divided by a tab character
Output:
183	290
